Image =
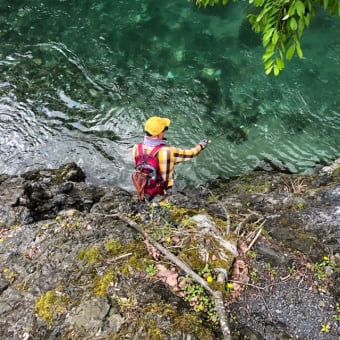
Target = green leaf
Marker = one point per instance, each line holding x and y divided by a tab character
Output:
309	5
301	26
267	55
325	4
281	54
268	63
267	36
307	20
290	52
259	3
293	24
291	10
298	49
275	37
280	63
276	70
268	70
300	8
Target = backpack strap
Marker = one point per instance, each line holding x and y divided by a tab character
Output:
140	149
153	151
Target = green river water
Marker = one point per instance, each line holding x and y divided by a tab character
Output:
79	78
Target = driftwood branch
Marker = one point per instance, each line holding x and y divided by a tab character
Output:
224	208
256	236
243	223
218	298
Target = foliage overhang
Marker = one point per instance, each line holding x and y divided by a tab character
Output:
281	24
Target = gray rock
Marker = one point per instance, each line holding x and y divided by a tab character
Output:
59	278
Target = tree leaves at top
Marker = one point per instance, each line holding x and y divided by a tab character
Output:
281	23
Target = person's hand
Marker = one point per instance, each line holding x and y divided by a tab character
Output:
203	143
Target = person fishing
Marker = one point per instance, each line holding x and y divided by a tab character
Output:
155	160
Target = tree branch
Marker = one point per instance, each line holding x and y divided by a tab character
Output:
217	295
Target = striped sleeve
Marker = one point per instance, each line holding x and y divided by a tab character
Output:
181	155
169	156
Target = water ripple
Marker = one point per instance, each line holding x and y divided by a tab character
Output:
82	92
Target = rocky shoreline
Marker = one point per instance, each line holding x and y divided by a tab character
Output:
71	269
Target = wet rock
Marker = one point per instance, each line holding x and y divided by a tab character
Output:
68	173
271	166
114	200
4	284
41	194
11	198
332	168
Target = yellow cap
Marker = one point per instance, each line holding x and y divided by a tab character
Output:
155	125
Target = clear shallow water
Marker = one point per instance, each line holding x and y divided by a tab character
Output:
77	83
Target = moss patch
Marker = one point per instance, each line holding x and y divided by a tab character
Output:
139	259
90	255
102	283
153	321
336	173
51	304
192	257
113	247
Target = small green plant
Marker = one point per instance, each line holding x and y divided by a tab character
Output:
297	207
325	328
151	270
254	275
292	270
199	300
320	268
212	198
337	315
267	266
272	271
319	271
138	237
166	205
252	254
161	232
300	206
14	226
206	270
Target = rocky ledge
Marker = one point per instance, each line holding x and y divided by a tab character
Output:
71	268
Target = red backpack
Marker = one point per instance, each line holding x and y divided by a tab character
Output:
146	176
